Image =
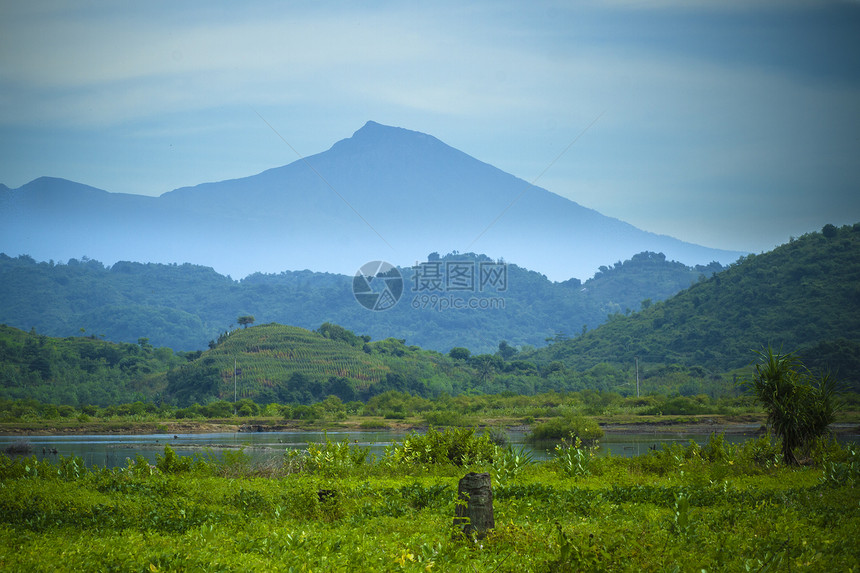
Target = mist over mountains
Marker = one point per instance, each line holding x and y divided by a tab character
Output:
385	193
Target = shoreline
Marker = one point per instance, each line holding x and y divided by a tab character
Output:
734	425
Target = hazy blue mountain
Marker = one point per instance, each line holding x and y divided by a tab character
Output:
385	193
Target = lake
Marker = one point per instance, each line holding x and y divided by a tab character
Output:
113	450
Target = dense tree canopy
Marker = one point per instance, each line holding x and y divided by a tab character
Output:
186	306
803	295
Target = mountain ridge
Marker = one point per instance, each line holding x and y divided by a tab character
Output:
386	193
184	306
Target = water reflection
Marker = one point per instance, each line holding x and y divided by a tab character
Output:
113	450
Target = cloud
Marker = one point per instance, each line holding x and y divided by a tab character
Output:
108	69
696	99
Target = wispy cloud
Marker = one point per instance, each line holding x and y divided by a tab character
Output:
754	96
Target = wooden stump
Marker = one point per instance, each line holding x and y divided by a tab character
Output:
473	515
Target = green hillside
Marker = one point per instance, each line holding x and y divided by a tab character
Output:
804	296
81	370
286	364
185	306
277	363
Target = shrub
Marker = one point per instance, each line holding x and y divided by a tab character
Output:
679	406
572	458
843	473
442	418
170	463
569	427
331	458
509	463
763	452
716	450
458	446
799	406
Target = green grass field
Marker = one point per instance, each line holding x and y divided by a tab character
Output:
712	508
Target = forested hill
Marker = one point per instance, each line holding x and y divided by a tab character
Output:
804	296
186	306
286	364
80	370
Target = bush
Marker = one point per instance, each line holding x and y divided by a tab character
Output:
843	473
569	427
764	452
800	406
572	458
509	464
331	458
442	418
305	413
679	406
218	409
458	446
170	463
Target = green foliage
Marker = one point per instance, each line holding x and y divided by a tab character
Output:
278	363
802	295
193	305
336	332
799	406
290	365
459	353
845	472
170	463
77	370
576	428
679	405
681	515
442	418
330	459
458	446
509	463
572	458
384	516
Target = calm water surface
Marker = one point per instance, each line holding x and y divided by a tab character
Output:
113	450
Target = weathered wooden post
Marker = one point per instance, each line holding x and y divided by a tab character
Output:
474	512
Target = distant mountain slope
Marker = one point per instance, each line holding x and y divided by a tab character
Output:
185	306
385	193
804	296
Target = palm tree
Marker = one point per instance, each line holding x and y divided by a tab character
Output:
800	406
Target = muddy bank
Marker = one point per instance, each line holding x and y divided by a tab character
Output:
183	427
749	424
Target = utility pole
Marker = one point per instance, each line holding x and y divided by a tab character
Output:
235	388
637	375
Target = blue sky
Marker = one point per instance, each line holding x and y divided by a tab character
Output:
730	124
